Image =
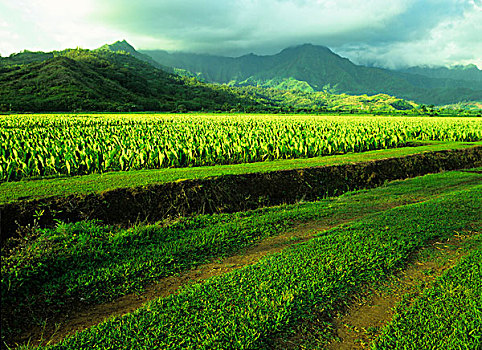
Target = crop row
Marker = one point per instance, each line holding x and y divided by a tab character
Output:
52	145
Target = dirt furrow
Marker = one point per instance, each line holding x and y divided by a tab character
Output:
85	315
362	321
88	315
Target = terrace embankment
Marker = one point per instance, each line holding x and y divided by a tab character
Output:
228	193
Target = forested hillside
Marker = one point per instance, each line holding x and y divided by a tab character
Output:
118	78
317	68
103	80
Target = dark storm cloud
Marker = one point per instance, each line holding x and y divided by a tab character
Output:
382	32
431	33
208	23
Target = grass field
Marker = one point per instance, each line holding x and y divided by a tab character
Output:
97	263
447	316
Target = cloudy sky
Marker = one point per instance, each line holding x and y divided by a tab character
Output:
390	33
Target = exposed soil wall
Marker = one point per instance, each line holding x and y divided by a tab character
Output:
228	193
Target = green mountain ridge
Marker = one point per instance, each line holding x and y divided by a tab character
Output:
102	80
117	78
321	69
124	47
468	72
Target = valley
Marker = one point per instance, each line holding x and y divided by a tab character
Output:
306	179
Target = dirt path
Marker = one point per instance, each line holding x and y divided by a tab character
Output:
89	315
361	322
84	316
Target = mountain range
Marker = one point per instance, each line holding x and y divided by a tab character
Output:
317	68
469	72
117	77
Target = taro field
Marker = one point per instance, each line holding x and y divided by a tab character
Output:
63	145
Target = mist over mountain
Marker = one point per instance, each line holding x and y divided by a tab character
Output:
124	47
468	72
323	70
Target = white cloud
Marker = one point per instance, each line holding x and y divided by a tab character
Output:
47	25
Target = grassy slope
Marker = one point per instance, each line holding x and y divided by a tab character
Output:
102	80
97	263
245	308
447	316
64	186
